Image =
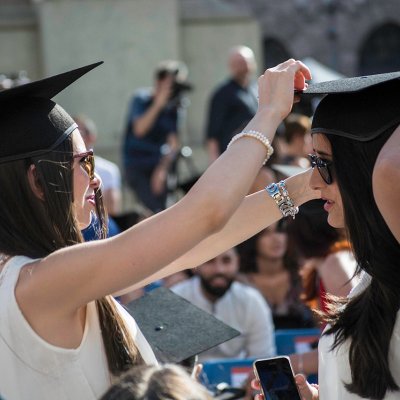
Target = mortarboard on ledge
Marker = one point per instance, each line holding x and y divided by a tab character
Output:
175	328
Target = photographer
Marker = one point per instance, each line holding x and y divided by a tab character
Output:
151	139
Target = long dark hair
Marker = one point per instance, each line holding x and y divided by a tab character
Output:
368	318
36	228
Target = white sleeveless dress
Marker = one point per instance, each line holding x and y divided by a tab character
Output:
31	368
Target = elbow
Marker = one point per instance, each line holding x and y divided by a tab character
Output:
213	215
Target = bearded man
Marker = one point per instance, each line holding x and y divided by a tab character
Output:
213	288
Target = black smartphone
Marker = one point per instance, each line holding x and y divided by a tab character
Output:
276	378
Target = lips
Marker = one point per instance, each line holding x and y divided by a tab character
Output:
91	199
328	205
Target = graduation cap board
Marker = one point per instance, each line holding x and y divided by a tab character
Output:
359	108
31	124
175	328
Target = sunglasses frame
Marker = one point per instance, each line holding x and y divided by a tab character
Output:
320	163
87	159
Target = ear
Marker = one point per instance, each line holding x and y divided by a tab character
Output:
34	183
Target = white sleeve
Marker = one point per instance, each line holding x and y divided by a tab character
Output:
260	341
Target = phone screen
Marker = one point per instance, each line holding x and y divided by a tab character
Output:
276	378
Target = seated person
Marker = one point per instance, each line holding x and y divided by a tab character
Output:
214	289
267	265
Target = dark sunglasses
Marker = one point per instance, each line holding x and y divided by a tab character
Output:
323	167
87	161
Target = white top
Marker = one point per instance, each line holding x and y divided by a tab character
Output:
334	366
243	308
109	173
31	368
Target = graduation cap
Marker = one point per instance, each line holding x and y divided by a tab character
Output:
31	123
359	108
175	328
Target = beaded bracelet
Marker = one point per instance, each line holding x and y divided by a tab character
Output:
281	196
256	135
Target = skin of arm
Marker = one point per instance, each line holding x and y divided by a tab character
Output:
385	183
70	278
142	124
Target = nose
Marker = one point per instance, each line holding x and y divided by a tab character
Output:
316	181
95	183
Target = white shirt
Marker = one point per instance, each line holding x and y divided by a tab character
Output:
31	368
334	366
243	308
109	173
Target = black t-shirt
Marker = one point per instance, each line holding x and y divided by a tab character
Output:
231	107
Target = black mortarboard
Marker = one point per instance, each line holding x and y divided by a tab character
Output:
359	108
30	123
175	328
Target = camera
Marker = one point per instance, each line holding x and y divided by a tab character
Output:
180	86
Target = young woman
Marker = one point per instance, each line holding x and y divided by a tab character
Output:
61	335
267	264
356	141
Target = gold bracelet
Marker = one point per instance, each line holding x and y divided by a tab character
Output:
256	135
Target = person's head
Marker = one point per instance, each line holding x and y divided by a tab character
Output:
218	274
296	134
176	73
241	63
268	249
87	129
349	130
45	169
271	242
49	189
162	382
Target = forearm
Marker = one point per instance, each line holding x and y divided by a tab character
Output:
142	124
256	212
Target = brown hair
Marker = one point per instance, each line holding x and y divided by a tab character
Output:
167	382
36	228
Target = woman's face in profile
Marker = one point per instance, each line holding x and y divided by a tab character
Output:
84	201
329	192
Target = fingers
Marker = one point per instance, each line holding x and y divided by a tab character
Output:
255	384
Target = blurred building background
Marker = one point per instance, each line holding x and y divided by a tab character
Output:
43	37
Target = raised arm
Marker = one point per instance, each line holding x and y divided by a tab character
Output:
385	183
70	278
256	212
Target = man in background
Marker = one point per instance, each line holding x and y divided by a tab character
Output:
233	103
214	289
151	135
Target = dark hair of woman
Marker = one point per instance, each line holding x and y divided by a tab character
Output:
369	318
310	236
36	228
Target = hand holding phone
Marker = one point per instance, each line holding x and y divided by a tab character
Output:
276	378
